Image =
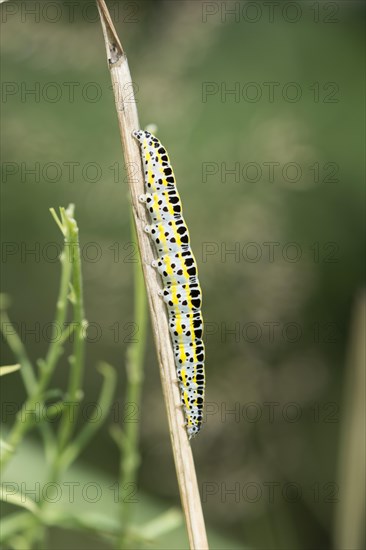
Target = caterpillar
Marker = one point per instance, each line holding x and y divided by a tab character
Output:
177	266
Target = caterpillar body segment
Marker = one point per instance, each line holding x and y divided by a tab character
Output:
171	235
162	207
177	268
188	296
185	327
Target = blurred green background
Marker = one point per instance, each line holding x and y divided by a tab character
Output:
278	308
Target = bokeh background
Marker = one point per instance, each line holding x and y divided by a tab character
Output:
262	112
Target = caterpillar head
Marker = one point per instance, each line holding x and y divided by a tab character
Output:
138	134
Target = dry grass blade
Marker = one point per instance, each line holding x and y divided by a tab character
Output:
128	121
349	529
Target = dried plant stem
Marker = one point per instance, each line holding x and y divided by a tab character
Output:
349	526
128	121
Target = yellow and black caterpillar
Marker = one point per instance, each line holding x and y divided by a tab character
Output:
177	267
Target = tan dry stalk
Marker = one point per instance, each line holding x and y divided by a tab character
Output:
128	121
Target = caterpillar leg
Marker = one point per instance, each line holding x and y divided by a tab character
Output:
146	197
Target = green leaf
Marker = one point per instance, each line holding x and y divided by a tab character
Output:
14	523
6	446
18	499
167	521
8	369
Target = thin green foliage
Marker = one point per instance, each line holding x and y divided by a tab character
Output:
61	446
130	458
61	442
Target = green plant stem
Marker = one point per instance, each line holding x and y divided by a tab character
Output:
77	360
16	346
130	458
24	420
31	529
56	348
71	269
89	430
36	389
71	256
